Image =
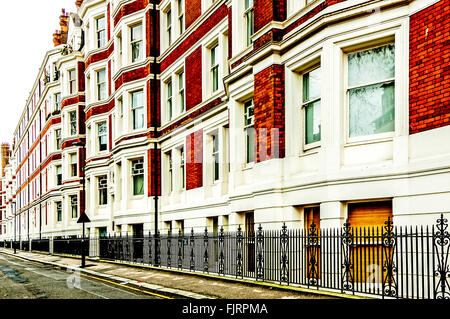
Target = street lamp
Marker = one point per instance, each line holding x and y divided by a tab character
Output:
83	217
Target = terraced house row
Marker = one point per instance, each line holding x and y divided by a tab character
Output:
220	113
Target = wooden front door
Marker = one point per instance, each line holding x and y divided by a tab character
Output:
312	215
367	255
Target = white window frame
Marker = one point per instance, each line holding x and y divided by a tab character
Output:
100	41
100	85
303	105
372	137
72	82
139	40
99	136
139	107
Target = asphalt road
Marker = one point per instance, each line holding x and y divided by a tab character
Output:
21	279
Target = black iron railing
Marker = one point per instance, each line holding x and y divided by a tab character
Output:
42	245
70	246
385	261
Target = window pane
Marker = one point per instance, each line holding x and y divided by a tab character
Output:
137	99
101	23
372	109
136	49
250	132
371	66
138	118
138	185
136	33
311	85
312	133
250	27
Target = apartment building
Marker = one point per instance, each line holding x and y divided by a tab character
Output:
220	113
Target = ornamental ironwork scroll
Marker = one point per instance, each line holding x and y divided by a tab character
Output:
180	249
192	255
441	242
284	261
389	239
239	240
260	254
346	244
313	254
205	251
221	249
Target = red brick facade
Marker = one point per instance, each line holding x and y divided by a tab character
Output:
269	103
154	169
429	68
130	8
194	78
219	15
193	9
194	160
153	85
267	11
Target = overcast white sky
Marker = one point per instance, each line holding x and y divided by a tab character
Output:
26	32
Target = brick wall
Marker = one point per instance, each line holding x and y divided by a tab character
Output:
269	103
194	160
194	78
151	85
80	76
193	9
429	68
150	51
130	8
269	10
154	169
218	16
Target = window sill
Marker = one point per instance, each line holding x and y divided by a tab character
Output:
307	148
248	166
370	139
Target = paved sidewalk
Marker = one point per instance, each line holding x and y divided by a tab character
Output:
174	283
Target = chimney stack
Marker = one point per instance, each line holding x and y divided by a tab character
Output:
60	36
